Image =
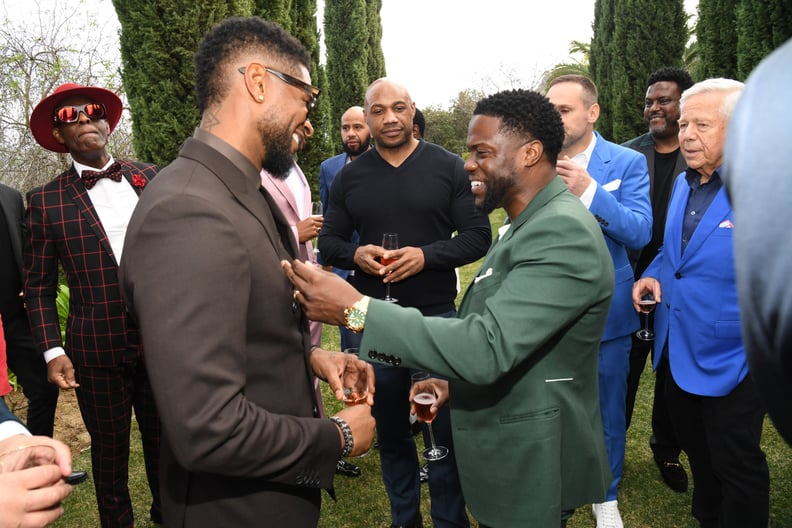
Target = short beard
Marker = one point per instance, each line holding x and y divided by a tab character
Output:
279	158
496	191
363	147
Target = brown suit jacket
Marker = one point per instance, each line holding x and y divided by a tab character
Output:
226	347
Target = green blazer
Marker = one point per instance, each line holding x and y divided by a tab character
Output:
522	364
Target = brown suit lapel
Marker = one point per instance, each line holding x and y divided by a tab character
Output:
249	193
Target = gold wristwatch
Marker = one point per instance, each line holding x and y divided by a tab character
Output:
355	315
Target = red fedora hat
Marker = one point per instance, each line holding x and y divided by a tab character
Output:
42	118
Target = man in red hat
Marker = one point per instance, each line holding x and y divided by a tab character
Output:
79	219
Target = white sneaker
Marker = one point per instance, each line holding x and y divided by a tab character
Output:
607	515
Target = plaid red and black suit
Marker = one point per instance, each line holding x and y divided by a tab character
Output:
102	340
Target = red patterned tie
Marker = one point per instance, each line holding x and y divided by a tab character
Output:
90	177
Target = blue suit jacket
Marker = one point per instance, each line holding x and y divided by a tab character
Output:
699	317
327	173
5	414
623	209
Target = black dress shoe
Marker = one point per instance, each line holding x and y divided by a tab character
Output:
423	473
416	524
347	469
673	474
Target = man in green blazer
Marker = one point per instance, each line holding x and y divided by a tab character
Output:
522	356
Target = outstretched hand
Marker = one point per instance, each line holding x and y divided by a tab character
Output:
323	295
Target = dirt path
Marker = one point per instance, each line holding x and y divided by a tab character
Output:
69	426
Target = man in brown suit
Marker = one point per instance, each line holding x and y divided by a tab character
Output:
228	348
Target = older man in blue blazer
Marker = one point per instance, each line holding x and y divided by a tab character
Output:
613	183
713	402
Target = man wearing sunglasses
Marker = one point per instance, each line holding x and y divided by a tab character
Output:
79	220
227	347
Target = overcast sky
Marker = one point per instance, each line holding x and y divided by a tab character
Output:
438	48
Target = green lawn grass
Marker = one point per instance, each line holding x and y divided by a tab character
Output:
644	500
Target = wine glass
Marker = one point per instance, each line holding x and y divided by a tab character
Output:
25	457
355	388
316	210
423	398
389	241
646	305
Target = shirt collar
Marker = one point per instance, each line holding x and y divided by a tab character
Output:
694	178
79	167
583	158
239	160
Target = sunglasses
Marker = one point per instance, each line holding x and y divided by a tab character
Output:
312	91
71	114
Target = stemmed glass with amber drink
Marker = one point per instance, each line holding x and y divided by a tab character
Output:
423	399
390	241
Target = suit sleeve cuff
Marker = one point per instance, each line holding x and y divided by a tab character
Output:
588	195
52	353
10	428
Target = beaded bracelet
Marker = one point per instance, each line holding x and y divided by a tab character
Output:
349	442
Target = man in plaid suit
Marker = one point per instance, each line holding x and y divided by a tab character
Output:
79	219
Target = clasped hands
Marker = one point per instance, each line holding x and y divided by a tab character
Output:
409	261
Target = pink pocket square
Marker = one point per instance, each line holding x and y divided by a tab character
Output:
726	224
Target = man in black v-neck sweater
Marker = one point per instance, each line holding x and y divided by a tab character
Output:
424	200
421	192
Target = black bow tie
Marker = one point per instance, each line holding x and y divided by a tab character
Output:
90	177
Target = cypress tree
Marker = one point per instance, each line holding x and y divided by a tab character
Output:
648	34
278	11
376	59
319	147
716	33
762	26
599	62
158	39
346	39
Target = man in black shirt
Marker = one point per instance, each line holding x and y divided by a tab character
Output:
661	147
23	359
421	192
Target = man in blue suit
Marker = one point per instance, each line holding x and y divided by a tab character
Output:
713	402
356	139
613	183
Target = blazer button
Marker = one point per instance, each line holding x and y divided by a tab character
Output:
382	357
372	354
677	275
397	361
